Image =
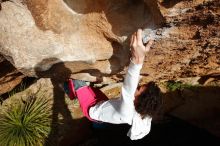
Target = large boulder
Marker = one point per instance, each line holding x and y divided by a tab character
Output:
89	40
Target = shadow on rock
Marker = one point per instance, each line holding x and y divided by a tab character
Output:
172	127
62	122
172	132
198	105
125	16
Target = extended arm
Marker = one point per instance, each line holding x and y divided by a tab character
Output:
138	51
122	109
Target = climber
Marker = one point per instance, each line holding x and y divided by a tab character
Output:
136	106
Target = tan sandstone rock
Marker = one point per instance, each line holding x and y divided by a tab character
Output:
90	39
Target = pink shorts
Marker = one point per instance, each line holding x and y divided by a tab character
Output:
88	97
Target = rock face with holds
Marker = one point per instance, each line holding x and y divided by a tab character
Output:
89	40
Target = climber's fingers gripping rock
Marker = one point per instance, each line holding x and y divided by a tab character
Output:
138	49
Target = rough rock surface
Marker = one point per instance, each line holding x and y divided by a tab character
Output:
89	40
9	77
91	37
193	46
1	58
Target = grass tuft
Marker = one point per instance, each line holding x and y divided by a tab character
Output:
173	86
26	124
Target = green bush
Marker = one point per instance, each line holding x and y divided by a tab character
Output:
26	124
173	86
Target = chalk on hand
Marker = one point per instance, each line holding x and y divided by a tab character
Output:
148	34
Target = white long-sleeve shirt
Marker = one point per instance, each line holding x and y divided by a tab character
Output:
122	110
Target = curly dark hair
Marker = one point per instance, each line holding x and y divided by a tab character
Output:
149	102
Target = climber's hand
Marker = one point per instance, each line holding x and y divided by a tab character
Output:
138	49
